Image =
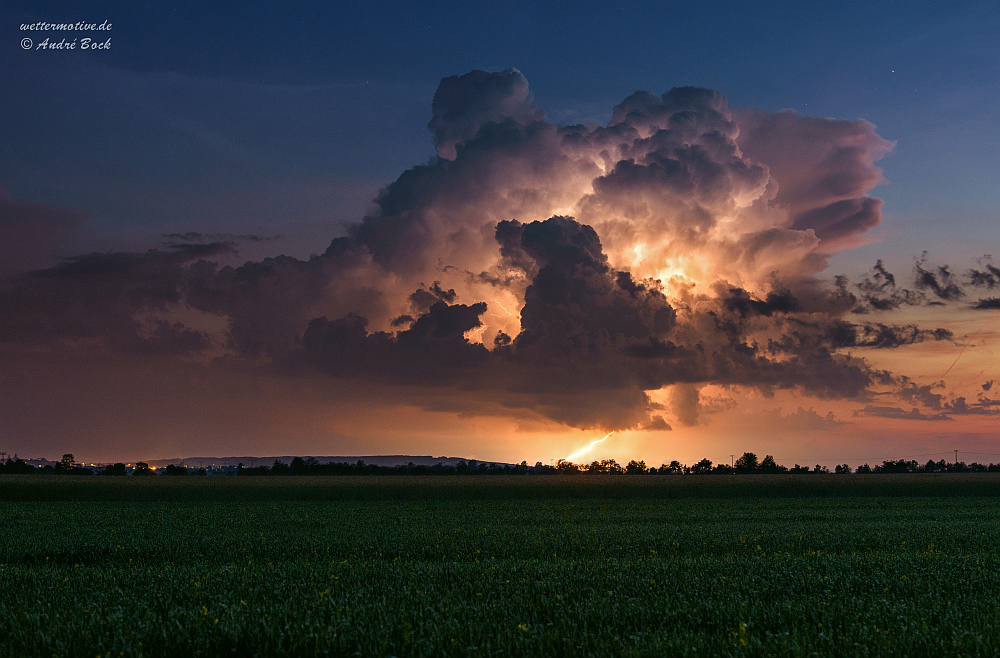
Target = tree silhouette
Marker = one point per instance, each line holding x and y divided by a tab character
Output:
16	467
702	467
768	465
747	463
611	466
564	466
636	467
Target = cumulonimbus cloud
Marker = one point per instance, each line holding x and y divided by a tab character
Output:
563	271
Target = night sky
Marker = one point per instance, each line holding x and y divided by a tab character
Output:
501	232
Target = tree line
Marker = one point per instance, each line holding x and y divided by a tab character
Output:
748	463
67	466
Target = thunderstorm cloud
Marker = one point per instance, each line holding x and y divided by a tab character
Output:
560	272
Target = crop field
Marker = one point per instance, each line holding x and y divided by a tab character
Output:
548	566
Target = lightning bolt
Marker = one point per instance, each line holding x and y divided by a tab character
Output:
592	444
504	308
969	342
476	333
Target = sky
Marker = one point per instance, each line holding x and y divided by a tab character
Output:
500	232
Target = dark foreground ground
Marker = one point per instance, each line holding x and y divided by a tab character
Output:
547	566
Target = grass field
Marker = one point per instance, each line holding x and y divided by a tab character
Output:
548	566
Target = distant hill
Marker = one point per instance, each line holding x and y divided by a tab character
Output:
379	460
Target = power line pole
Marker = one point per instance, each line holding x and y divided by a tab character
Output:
956	457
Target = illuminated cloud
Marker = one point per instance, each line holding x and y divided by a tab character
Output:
824	169
558	272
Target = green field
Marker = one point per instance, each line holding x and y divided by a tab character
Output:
473	566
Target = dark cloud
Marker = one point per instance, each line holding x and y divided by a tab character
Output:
981	407
802	420
987	277
927	397
174	338
987	303
848	334
914	394
269	303
937	402
110	298
935	285
445	322
112	264
690	111
593	340
882	278
422	299
899	414
432	352
939	280
657	424
192	236
568	362
576	304
878	292
463	104
29	231
741	302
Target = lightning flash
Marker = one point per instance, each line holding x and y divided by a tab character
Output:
592	444
969	342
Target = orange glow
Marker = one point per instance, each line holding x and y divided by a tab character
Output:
969	342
